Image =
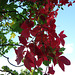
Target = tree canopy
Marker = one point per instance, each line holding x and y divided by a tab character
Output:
34	21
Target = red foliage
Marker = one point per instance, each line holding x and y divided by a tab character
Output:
62	36
46	44
64	1
63	60
19	53
51	71
22	40
70	4
29	60
74	1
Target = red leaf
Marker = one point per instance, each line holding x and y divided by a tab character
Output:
62	36
18	60
25	33
56	13
62	41
63	60
58	53
51	71
58	41
24	26
70	4
27	27
19	54
22	40
55	61
29	60
63	2
42	17
35	31
34	49
61	64
27	65
27	24
74	1
39	62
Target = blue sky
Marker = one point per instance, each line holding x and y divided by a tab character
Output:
64	21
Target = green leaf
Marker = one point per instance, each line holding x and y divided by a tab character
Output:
50	57
40	68
35	73
5	68
62	49
39	71
6	51
46	63
62	8
16	27
2	3
14	72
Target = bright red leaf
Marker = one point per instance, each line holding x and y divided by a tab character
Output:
62	36
34	49
39	62
74	1
55	61
27	24
25	33
35	31
63	2
29	61
22	40
19	53
63	60
51	71
70	4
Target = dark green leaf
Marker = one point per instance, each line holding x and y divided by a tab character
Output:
62	8
35	73
62	49
46	63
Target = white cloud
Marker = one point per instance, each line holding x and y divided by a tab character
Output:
69	70
69	48
4	62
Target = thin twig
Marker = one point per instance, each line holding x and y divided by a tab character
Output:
34	59
11	12
7	71
10	62
7	11
21	15
10	45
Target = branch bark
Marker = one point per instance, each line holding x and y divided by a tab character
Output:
7	11
11	12
10	45
7	71
10	62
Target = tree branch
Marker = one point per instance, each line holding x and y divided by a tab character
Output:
11	12
10	45
7	71
7	11
10	62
